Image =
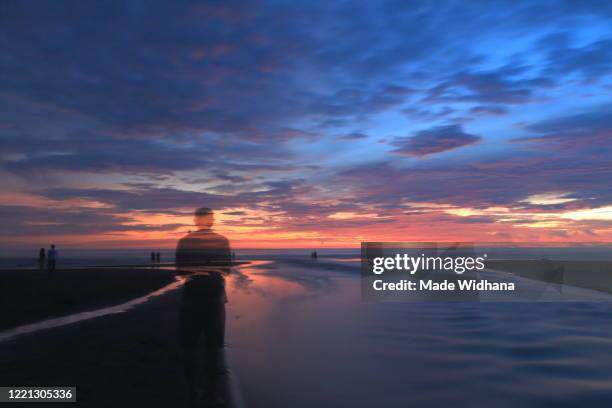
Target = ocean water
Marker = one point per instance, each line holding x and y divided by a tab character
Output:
300	336
70	257
109	257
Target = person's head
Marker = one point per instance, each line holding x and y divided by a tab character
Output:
52	246
204	218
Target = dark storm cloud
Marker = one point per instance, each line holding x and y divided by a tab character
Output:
437	140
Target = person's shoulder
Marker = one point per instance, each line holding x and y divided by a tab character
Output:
191	235
185	241
196	238
219	239
207	235
218	236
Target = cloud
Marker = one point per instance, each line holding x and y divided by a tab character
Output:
353	136
499	86
236	213
587	130
591	61
489	110
354	102
436	140
165	106
506	180
30	221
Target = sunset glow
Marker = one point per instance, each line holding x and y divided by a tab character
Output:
303	129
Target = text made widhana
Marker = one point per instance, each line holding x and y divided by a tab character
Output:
445	285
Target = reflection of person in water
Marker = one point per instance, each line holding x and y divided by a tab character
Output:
205	257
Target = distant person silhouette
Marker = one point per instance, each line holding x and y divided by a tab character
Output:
51	258
205	257
41	259
157	257
152	257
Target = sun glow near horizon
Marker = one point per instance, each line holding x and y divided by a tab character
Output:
298	137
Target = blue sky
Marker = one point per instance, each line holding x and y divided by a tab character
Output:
305	123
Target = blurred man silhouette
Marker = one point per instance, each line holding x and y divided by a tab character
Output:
205	257
51	258
42	256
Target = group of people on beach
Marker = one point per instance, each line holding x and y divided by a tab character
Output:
47	258
155	257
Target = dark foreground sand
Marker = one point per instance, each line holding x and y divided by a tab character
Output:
29	295
124	360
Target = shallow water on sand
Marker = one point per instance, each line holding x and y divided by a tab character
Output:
300	336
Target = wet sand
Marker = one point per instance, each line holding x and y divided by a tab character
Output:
120	360
131	358
30	295
300	336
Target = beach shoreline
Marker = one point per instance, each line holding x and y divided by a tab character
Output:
122	359
287	313
114	359
27	295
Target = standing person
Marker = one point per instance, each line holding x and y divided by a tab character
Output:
41	259
51	258
152	257
206	257
157	257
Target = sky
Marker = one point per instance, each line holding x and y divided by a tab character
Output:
305	124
